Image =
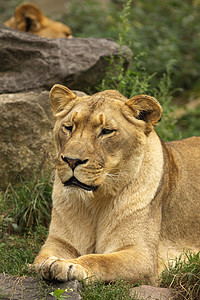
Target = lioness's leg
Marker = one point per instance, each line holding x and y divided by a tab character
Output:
126	264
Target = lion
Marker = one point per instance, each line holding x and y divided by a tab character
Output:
29	18
124	201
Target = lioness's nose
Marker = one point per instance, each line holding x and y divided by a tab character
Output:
73	162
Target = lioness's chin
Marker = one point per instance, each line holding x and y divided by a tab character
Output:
73	193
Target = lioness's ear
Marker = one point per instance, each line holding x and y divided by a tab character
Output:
29	17
145	108
60	98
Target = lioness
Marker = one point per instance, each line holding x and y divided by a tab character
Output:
29	18
123	200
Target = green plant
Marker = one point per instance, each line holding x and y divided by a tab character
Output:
183	274
57	294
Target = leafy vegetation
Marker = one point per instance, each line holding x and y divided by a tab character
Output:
189	124
167	32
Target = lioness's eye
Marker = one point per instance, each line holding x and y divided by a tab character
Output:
106	131
69	128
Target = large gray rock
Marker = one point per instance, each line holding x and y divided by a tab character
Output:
26	137
29	62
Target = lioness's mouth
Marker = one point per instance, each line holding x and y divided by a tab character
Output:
75	182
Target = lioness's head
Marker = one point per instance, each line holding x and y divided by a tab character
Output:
101	138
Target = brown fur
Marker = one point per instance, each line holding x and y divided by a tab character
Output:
146	208
29	18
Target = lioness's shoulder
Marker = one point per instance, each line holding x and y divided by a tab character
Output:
186	151
186	143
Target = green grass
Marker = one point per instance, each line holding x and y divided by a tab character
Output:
27	204
183	274
99	290
24	218
17	251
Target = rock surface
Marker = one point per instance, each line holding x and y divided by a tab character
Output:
28	288
145	292
26	133
32	63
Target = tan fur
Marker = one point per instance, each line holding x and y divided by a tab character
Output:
146	206
29	18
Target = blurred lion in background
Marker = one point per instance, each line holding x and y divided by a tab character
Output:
29	18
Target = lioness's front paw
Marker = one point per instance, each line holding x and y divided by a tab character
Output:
61	269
